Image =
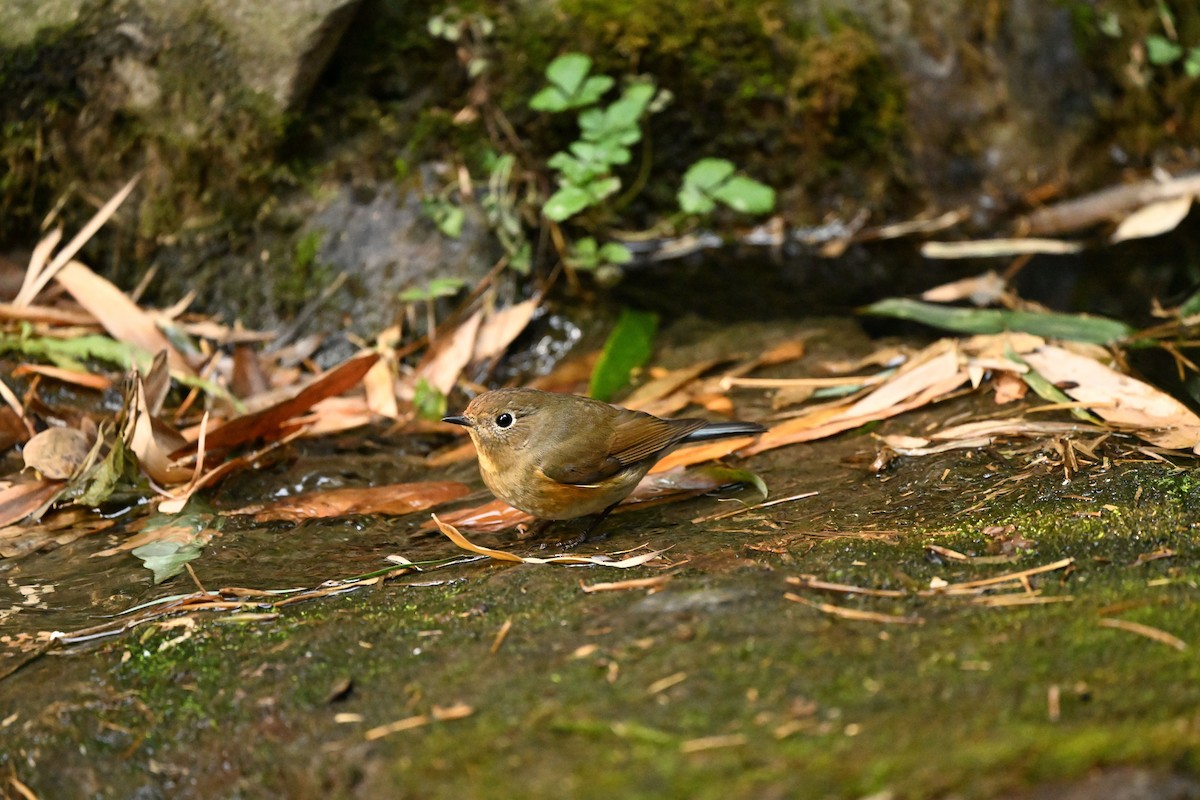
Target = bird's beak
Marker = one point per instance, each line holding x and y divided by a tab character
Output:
457	421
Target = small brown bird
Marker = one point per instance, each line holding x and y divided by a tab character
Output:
561	456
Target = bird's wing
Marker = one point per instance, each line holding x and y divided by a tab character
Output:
640	436
635	438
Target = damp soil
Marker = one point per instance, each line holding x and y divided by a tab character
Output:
715	684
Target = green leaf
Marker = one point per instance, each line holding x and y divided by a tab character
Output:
1072	327
448	217
570	199
566	202
1047	390
694	201
568	72
1191	66
746	195
166	558
615	253
430	404
708	173
549	99
570	86
712	179
438	287
629	346
1161	50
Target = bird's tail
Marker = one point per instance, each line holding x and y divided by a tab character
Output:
721	430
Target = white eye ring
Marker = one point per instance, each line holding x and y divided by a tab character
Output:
505	420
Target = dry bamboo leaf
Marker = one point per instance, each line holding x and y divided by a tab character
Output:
655	390
982	433
920	386
57	453
501	327
119	315
500	555
37	263
1153	219
1119	399
50	316
380	386
399	498
333	415
19	500
55	531
713	742
933	366
34	283
981	290
153	440
85	380
450	355
993	248
270	420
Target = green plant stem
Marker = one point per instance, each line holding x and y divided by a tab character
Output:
640	180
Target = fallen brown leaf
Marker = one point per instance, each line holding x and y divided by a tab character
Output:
1119	399
268	421
397	499
57	453
119	315
19	500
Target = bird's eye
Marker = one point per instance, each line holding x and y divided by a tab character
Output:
504	420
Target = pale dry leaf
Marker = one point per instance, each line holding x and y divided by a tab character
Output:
84	380
38	282
997	248
500	555
120	316
1119	399
1153	219
57	453
981	290
395	499
380	386
501	327
450	356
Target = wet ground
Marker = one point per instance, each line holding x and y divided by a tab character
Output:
714	684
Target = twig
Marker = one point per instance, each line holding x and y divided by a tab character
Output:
854	613
1157	635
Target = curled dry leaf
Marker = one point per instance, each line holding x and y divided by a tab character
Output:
398	499
19	500
490	517
119	315
268	421
57	453
1119	399
453	535
57	530
1153	219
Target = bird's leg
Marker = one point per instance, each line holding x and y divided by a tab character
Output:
534	529
596	523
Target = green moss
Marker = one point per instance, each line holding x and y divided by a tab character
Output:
793	103
204	146
1144	106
